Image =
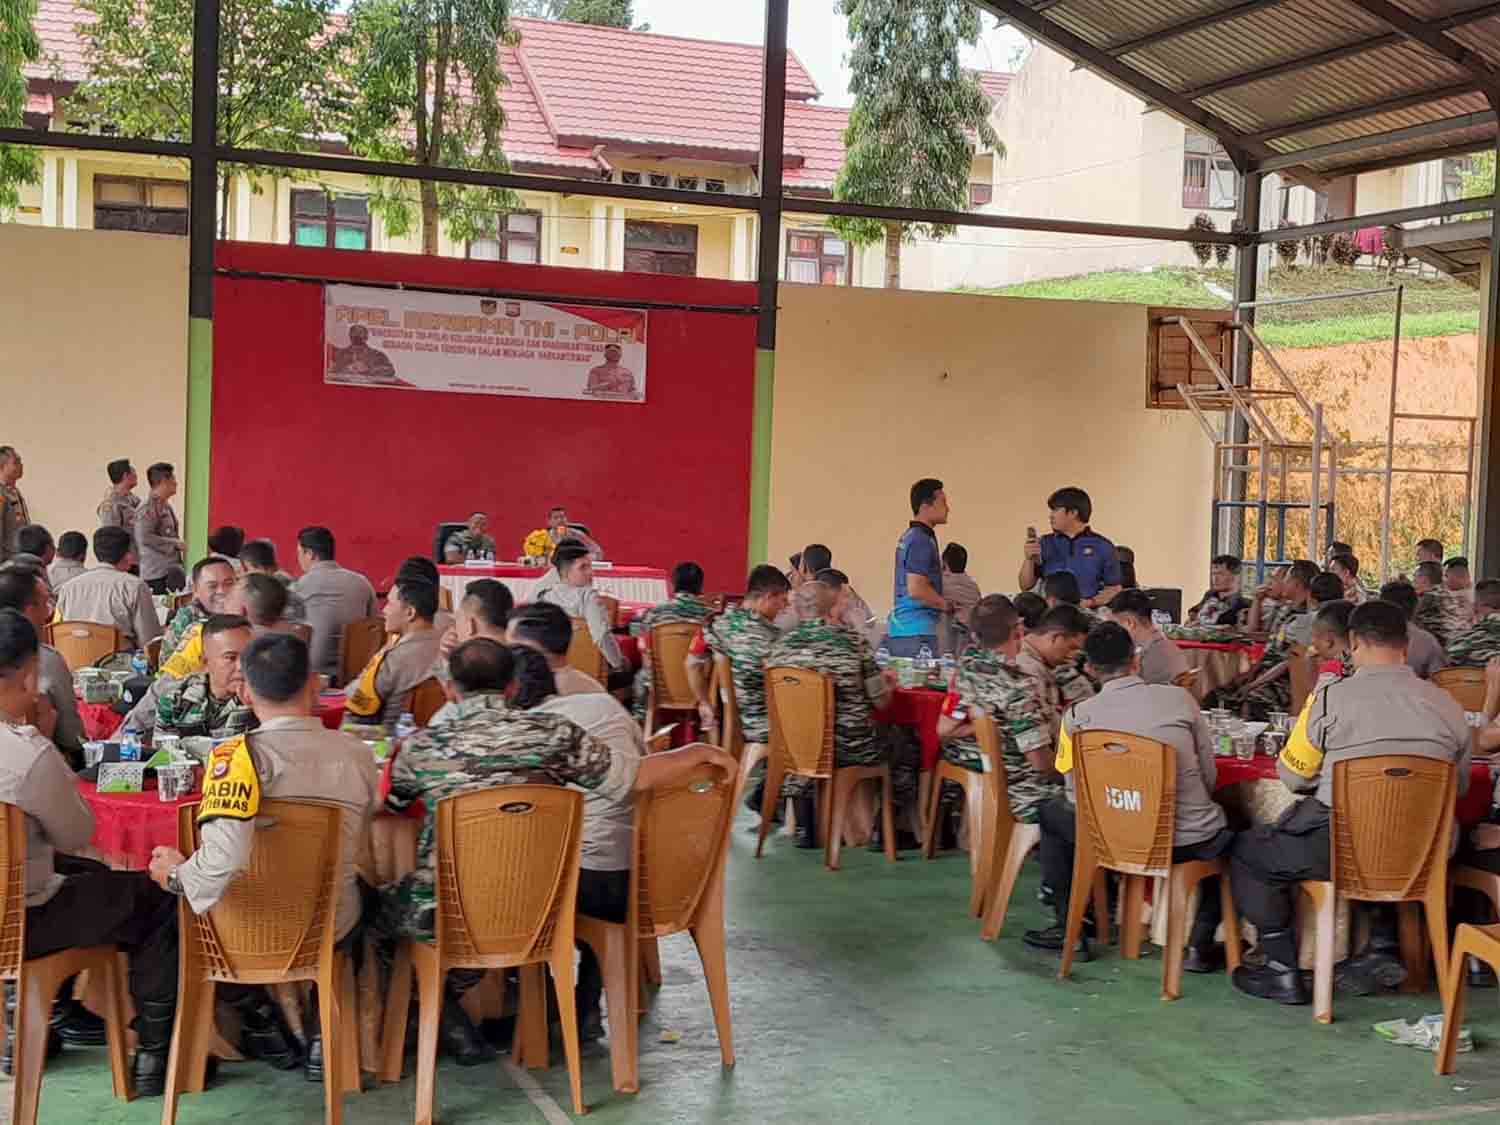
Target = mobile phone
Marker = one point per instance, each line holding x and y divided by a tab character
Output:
1031	533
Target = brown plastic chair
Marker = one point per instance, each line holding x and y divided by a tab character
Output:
84	643
612	607
661	739
801	706
1482	942
507	881
445	598
1389	831
274	925
1302	675
670	689
584	654
984	792
1466	685
1126	792
358	644
676	884
426	700
153	653
37	979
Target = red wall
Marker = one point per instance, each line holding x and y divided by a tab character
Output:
658	483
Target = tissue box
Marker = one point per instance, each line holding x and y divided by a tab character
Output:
122	777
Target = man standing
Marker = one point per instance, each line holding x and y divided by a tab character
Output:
108	594
576	595
213	578
158	536
918	604
471	542
332	596
118	508
383	690
1073	546
13	513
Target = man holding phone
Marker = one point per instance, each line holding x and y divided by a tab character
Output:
1074	547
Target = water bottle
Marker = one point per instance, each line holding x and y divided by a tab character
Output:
1159	619
130	747
924	665
883	658
946	665
406	726
139	665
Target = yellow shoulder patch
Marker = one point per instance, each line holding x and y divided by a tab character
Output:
189	655
231	787
363	700
1064	763
1299	755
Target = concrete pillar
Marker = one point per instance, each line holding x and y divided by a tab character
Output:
739	249
50	187
616	238
243	198
599	235
551	237
70	193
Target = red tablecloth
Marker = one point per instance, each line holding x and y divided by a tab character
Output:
100	720
1253	651
1473	806
128	825
919	708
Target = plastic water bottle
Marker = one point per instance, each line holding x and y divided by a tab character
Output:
924	664
946	665
883	658
130	747
139	665
1159	619
406	726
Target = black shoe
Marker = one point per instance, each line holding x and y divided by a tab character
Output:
1370	972
7	1059
1480	974
78	1026
807	822
264	1034
1208	959
459	1038
153	1030
1051	940
1272	981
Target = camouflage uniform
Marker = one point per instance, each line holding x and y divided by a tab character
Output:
179	627
188	708
1275	614
1074	684
487	743
1474	647
847	660
1295	628
989	681
13	517
745	637
1443	613
683	607
469	545
1215	605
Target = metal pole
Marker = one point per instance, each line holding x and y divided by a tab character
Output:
1315	493
1245	280
1260	517
1487	523
1469	490
1390	444
203	201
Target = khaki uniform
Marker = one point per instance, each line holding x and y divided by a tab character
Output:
118	511
286	759
383	690
156	535
1424	652
57	685
34	778
13	517
608	820
570	681
332	597
107	596
1162	661
61	570
584	602
963	592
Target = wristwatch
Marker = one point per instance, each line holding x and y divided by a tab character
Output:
174	884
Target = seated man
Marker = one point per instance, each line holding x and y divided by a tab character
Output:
259	557
1267	686
69	902
291	756
989	681
1168	714
1345	567
483	611
263	601
1330	641
1381	709
1423	651
558	529
548	630
35	542
333	596
1061	588
1456	577
687	605
576	595
109	594
213	577
962	593
743	634
382	692
72	550
1440	611
850	610
488	743
206	703
470	543
1161	660
425	570
1474	647
1269	608
1050	654
24	591
1223	603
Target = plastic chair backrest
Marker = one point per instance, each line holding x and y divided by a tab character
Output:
1126	789
1391	824
153	652
731	735
426	700
1187	680
669	651
277	916
612	607
358	643
681	833
12	891
507	866
802	712
1302	676
583	653
84	643
988	736
445	598
1466	685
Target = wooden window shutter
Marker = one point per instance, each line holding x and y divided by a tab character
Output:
1172	359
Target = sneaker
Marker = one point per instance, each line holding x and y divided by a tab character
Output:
1051	940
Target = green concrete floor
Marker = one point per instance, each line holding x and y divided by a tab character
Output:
867	996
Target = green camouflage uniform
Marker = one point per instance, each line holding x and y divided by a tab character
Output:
1276	695
989	681
177	630
745	637
683	607
1073	683
846	659
487	743
1474	647
187	707
469	544
1444	614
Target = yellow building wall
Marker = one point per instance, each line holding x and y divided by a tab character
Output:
95	362
1004	400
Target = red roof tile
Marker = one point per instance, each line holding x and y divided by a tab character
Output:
816	132
57	27
994	83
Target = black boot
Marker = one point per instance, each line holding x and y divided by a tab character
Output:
153	1029
1052	940
1275	980
75	1023
263	1033
1376	967
807	822
459	1037
7	1058
313	1029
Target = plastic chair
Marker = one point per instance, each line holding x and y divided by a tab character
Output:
1126	792
670	689
84	643
612	607
1303	676
37	979
801	705
507	881
981	789
584	654
1465	685
661	739
1482	942
1389	832
274	925
676	884
358	644
445	598
153	653
426	699
183	599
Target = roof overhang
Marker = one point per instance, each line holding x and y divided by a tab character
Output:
1457	249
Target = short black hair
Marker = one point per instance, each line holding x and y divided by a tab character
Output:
1062	587
18	642
1074	500
316	541
492	600
1135	603
1326	587
1231	563
73	545
111	544
481	665
1431	546
1487	593
956	558
1303	571
765	579
1109	648
924	492
227	540
1347	561
1378	623
118	470
265	598
420	594
207	561
816	557
158	473
1337	548
534	679
1067	619
259	553
34	539
567	554
1432	571
687	578
217	623
796	560
419	566
833	579
993	619
1032	607
543	624
1457	562
276	665
17	589
1333	617
1400	593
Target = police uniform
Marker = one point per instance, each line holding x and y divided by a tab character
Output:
987	680
1384	709
689	608
1474	647
107	596
157	534
13	517
116	510
189	708
469	545
745	637
1162	661
1424	652
56	683
62	570
381	692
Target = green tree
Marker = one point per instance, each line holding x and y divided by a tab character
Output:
605	13
423	85
917	115
1478	179
274	85
18	46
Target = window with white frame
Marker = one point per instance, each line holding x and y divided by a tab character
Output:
518	238
1209	179
816	257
